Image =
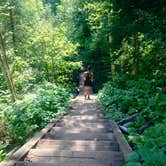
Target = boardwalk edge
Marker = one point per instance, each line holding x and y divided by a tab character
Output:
21	152
123	144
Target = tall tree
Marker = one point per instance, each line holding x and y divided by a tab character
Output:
6	69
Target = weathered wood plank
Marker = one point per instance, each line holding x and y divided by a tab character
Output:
78	145
123	144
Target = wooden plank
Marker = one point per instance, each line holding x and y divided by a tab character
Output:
80	130
101	156
20	153
76	142
123	144
78	146
63	162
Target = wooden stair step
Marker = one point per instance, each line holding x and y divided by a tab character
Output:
74	124
77	146
81	130
77	142
87	113
83	122
87	128
79	120
77	131
67	162
84	117
102	156
80	136
53	161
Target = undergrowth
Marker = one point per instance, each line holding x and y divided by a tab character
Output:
20	120
124	97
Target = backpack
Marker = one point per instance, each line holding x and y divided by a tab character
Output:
87	81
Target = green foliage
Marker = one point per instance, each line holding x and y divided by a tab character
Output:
37	50
21	119
137	38
123	97
87	26
131	96
49	40
97	13
150	146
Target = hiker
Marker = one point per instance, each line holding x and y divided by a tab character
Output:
88	80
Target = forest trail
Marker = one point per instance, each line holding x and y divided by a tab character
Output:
81	138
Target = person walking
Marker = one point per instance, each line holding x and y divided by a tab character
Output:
88	78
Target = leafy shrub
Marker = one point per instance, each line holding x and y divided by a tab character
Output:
135	96
22	118
122	98
151	147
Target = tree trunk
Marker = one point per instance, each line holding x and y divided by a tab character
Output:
130	118
6	69
135	54
13	28
111	57
53	68
47	73
112	61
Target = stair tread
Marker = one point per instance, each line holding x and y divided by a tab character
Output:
80	136
83	137
83	120
97	155
79	146
84	117
75	124
53	161
81	130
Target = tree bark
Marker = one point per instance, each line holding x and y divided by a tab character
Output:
131	118
112	61
111	57
13	28
53	68
135	54
6	69
145	126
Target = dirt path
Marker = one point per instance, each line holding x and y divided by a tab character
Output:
81	138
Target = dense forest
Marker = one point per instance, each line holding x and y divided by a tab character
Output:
45	43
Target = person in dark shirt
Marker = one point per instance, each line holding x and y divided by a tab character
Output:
88	80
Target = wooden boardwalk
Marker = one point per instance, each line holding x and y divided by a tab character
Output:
81	138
